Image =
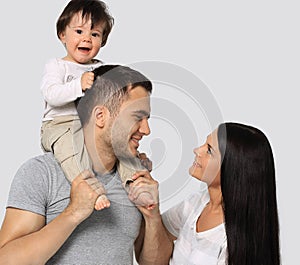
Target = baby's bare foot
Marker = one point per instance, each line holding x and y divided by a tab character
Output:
102	202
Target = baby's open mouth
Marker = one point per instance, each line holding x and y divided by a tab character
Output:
83	48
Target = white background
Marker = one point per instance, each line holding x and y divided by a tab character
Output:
247	53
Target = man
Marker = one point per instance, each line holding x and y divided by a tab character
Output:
50	221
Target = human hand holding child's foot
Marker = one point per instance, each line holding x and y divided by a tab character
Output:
102	202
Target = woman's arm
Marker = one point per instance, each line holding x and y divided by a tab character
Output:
154	244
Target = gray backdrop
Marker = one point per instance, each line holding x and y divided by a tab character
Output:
209	61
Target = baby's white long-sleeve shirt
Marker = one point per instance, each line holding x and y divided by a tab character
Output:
61	86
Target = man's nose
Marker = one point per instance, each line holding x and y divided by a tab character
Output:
144	127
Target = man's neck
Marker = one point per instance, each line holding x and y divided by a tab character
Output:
103	164
103	158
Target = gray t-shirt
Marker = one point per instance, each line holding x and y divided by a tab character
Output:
106	237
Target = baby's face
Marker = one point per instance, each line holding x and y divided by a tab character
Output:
81	41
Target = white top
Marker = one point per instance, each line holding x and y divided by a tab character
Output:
208	247
61	86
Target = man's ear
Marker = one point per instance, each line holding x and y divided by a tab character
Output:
129	88
101	114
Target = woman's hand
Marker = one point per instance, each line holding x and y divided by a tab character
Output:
143	191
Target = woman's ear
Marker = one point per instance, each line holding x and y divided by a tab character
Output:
101	114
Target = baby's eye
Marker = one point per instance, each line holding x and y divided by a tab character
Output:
96	35
78	31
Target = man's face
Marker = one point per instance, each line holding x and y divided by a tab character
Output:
131	124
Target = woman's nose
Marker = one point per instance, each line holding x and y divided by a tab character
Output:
197	151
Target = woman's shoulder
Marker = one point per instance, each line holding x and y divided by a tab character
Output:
200	197
192	203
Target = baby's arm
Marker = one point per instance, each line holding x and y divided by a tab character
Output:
145	161
59	87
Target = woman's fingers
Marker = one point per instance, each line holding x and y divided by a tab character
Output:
144	190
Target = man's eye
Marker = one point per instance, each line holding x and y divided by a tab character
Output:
78	31
139	118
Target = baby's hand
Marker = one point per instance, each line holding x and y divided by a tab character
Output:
146	162
87	80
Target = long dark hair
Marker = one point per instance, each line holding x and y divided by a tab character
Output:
249	195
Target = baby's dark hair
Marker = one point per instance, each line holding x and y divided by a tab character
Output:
96	10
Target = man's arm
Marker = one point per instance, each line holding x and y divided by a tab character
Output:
154	244
24	237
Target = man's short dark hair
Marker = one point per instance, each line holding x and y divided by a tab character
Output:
110	89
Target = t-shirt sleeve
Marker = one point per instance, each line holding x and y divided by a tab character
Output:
29	188
175	217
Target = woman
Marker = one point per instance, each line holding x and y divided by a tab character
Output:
235	221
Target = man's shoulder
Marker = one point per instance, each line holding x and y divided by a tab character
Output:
45	161
34	184
47	157
42	170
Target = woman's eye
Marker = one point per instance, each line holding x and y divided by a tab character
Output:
208	150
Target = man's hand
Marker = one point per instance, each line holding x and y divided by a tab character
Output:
83	196
87	80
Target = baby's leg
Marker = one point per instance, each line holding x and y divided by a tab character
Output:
66	141
73	168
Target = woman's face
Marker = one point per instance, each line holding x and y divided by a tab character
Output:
207	164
